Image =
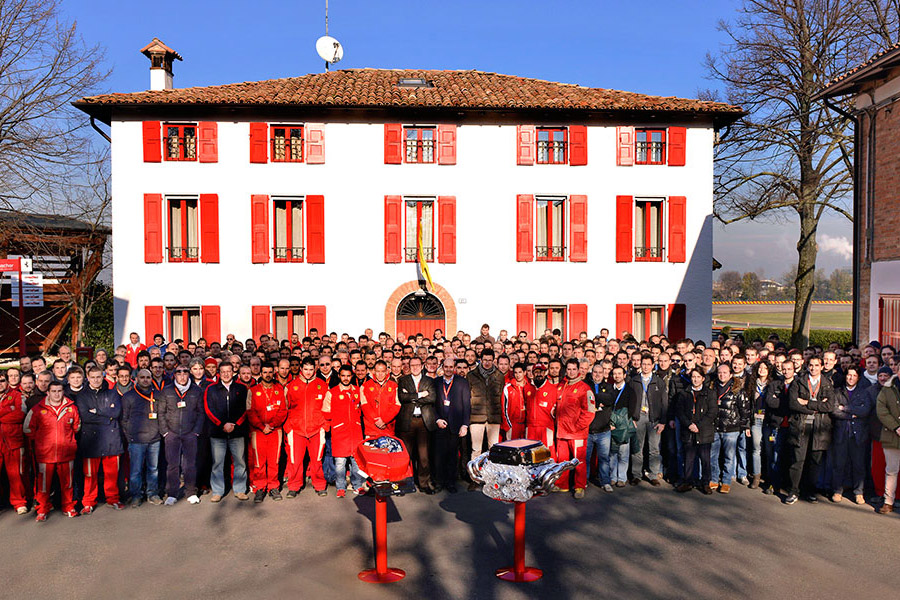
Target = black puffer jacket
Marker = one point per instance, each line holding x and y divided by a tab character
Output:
137	409
181	420
697	407
733	405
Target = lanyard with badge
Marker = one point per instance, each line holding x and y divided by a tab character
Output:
447	389
152	402
181	403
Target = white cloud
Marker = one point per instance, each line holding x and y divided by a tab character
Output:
836	244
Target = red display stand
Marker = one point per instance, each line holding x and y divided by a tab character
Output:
519	572
383	573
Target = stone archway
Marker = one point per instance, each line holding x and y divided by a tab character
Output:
390	309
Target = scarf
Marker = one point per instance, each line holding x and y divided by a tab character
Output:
182	388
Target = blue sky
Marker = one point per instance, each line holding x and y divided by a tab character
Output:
654	47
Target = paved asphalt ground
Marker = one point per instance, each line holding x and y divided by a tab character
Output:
635	543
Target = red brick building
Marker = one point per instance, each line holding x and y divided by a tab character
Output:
875	90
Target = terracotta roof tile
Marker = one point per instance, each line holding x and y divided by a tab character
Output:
377	88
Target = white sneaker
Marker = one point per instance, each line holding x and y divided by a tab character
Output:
607	488
171	500
194	499
22	510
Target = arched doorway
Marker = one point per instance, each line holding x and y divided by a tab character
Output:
420	313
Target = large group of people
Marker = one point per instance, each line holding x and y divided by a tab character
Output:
178	420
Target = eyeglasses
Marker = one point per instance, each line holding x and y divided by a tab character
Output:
177	371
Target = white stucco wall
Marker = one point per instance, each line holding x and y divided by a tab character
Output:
354	283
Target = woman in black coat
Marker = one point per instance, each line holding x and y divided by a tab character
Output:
696	409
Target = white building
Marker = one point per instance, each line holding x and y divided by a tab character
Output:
294	203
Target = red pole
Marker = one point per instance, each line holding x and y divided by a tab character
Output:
22	348
519	572
381	536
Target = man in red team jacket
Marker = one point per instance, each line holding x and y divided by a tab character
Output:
516	395
12	443
574	412
379	403
266	413
52	425
304	428
341	408
540	411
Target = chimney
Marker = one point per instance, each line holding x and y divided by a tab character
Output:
161	57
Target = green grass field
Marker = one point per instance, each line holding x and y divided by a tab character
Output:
772	316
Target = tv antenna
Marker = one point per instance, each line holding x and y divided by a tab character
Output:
328	48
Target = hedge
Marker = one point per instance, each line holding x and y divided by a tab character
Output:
817	337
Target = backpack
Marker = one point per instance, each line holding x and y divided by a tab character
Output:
624	426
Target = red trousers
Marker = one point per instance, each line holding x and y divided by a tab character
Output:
543	435
516	433
265	450
297	447
567	450
14	461
92	467
44	481
878	465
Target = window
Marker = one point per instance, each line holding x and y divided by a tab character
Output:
183	237
648	320
550	230
181	141
650	146
551	146
889	320
419	213
419	144
288	229
549	317
287	143
184	323
288	321
648	229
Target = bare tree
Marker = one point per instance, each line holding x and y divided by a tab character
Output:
790	155
44	66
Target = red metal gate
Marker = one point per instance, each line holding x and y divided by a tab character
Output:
421	313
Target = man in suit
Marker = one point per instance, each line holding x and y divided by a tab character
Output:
417	419
453	409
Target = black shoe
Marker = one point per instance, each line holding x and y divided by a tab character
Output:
292	493
634	481
792	499
437	488
321	493
768	490
706	490
259	496
428	490
811	499
275	495
451	488
684	487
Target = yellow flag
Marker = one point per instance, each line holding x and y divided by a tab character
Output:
423	265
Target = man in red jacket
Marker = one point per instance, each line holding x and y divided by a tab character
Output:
133	348
52	425
305	428
267	413
379	403
574	412
540	411
341	408
516	394
12	443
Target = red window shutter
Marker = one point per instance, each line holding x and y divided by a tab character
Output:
577	319
259	143
315	229
677	322
209	228
260	321
447	224
677	227
677	136
624	319
315	143
525	136
446	139
152	142
578	145
393	143
624	232
208	134
211	323
153	229
525	319
625	146
153	321
393	229
259	220
577	228
315	318
524	228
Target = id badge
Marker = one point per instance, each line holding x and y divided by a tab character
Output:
181	404
152	415
446	403
771	438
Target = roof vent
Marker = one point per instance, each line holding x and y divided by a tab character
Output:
414	82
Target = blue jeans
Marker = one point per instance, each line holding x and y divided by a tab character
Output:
235	447
618	463
742	456
329	463
144	460
773	439
729	442
341	463
600	441
756	435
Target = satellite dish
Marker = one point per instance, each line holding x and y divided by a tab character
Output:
329	49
